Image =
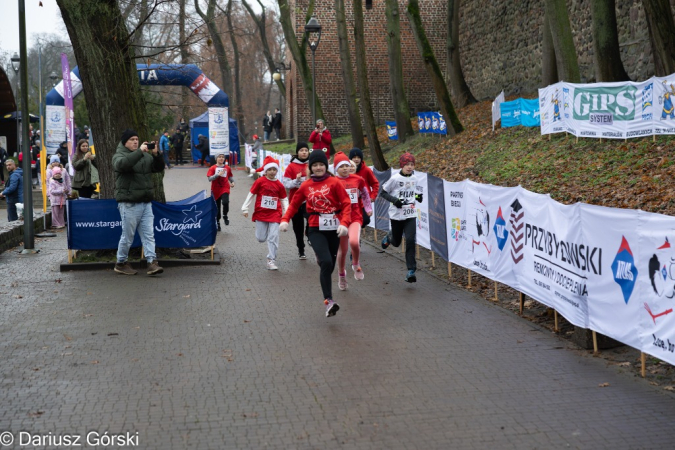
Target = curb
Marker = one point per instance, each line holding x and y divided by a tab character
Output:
142	264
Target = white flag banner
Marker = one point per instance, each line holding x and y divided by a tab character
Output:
550	109
219	131
248	156
496	111
455	217
423	237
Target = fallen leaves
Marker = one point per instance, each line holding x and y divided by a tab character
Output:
603	385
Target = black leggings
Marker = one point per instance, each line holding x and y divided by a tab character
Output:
325	245
409	228
86	191
299	222
225	201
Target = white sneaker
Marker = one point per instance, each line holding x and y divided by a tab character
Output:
342	281
271	265
358	272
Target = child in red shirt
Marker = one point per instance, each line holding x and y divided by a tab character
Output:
294	176
373	186
221	178
355	187
270	197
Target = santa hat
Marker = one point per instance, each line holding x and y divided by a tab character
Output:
268	163
340	159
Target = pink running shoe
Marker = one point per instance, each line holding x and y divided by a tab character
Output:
358	272
342	281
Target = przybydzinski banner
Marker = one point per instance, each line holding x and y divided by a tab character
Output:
609	110
219	131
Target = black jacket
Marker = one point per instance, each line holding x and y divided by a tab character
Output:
177	140
267	123
63	153
276	120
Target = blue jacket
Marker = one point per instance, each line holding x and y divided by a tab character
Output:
14	189
164	143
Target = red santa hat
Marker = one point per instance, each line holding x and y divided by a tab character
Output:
268	163
340	159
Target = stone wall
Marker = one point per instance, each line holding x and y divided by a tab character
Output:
500	47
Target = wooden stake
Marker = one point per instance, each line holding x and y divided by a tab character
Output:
212	252
375	234
595	342
142	252
643	362
549	137
653	138
433	261
469	278
577	140
403	245
555	321
417	250
522	302
70	256
496	296
449	270
601	140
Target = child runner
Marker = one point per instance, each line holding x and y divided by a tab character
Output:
356	155
294	176
400	190
221	178
270	196
329	211
359	198
57	198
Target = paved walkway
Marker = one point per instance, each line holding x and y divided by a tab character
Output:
238	357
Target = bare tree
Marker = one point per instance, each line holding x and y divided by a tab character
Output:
549	68
563	43
661	34
606	55
460	90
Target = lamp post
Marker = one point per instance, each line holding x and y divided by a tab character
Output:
281	68
16	62
53	76
313	32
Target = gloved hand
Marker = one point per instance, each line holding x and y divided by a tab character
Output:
283	226
342	231
244	212
398	203
418	197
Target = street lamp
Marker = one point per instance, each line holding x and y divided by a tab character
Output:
16	63
313	32
53	76
281	68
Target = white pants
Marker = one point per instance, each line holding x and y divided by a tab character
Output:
268	231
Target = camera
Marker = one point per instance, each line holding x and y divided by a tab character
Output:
151	145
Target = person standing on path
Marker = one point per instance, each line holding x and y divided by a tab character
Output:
221	178
86	170
294	176
329	210
267	126
373	186
134	193
57	198
203	147
177	141
276	123
321	138
164	148
401	191
13	191
270	198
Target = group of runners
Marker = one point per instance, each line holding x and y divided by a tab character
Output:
329	205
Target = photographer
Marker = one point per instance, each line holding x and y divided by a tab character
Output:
321	138
134	189
86	170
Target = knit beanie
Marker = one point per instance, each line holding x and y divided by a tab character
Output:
356	152
340	160
318	156
54	158
406	158
56	170
128	134
300	146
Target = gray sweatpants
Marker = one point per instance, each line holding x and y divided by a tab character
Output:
268	231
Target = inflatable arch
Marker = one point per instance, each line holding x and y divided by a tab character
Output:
188	75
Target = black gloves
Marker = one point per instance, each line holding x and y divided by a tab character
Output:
418	197
398	203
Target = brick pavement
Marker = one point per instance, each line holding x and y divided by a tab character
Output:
238	357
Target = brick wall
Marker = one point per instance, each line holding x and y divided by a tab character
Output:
500	47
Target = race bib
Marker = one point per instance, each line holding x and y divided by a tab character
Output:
269	202
328	222
353	195
409	211
219	169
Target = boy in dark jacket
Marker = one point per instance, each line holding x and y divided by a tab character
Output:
13	192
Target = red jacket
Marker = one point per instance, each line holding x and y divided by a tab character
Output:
220	185
323	197
321	140
368	176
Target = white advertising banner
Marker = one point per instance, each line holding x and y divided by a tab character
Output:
454	217
219	131
550	109
55	127
422	236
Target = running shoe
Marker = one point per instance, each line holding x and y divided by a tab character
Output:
331	307
301	254
386	242
342	281
271	264
358	272
410	277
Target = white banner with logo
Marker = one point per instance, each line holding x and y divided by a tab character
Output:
219	131
55	127
609	110
496	111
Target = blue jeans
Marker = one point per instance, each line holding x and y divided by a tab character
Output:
136	216
266	135
165	154
12	214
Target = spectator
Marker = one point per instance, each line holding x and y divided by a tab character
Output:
276	123
63	153
164	148
203	147
84	135
321	138
53	163
13	192
86	170
257	146
57	198
267	122
134	190
177	141
35	162
3	158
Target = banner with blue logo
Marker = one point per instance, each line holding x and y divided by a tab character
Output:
520	111
431	122
510	112
96	225
392	132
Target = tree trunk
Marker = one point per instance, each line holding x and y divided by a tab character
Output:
454	126
298	51
460	90
348	76
362	74
563	43
109	77
549	68
661	34
400	101
606	55
184	59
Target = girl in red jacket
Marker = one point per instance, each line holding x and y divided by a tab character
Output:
321	138
221	178
373	186
294	176
359	197
329	211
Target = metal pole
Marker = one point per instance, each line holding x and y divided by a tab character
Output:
28	226
313	90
